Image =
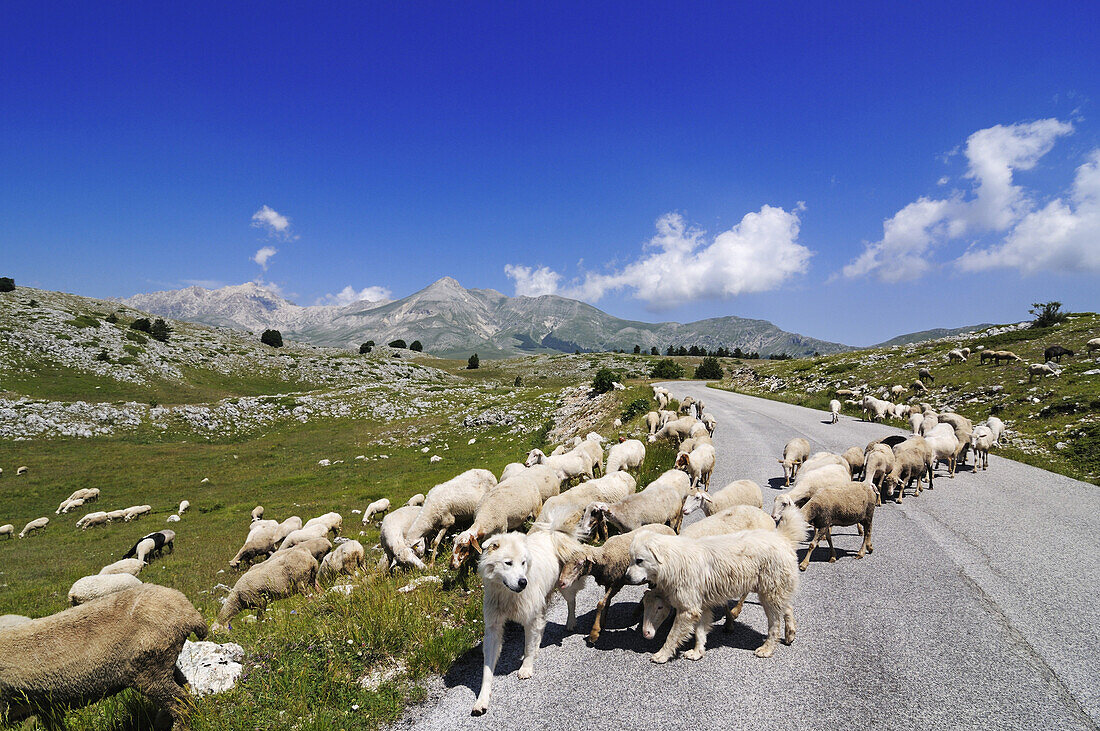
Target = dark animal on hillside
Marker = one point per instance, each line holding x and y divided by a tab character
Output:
924	373
1055	353
162	538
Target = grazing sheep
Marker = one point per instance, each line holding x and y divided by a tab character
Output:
511	470
956	355
924	373
686	404
875	409
89	519
396	549
136	511
1040	369
696	575
305	533
34	525
660	502
738	492
95	587
1055	353
626	455
662	400
592	446
449	503
152	544
347	558
184	505
918	386
130	566
676	430
20	470
699	429
981	440
1006	355
898	390
691	443
794	454
281	576
850	393
114	515
7	530
997	427
257	513
855	458
129	639
418	498
834	411
912	461
317	547
333	522
808	483
287	527
607	565
172	519
652	422
569	507
839	505
699	464
571	464
1093	344
986	355
506	507
376	508
666	416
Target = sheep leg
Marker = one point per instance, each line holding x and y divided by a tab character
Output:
829	538
686	619
601	611
490	651
435	544
702	627
164	691
809	552
532	640
866	547
774	614
570	595
733	614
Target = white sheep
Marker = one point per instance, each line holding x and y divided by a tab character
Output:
915	420
114	515
808	483
347	558
898	390
569	507
997	427
451	502
132	566
417	499
68	505
1093	344
505	508
257	513
856	461
303	534
652	422
944	444
699	464
573	464
136	511
850	503
981	441
878	463
376	508
7	530
95	587
956	355
184	505
626	455
333	522
739	492
676	431
710	423
666	416
794	454
876	409
31	527
660	502
172	519
699	429
901	411
393	537
662	400
20	470
834	411
1041	369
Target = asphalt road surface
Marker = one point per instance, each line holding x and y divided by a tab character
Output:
978	609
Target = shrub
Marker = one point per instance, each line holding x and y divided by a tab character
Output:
103	356
399	343
83	321
160	330
366	347
111	318
32	303
274	338
635	407
518	382
7	284
142	324
1047	314
416	345
603	381
667	369
637	350
710	369
473	362
654	351
136	337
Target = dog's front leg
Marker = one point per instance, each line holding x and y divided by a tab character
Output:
532	639
490	650
702	627
681	628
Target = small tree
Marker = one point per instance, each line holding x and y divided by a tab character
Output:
32	303
103	356
111	318
366	347
142	324
473	363
1047	314
667	369
637	350
654	351
399	343
417	346
274	338
160	330
518	382
7	284
604	381
710	369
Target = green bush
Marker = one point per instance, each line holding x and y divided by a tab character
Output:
142	324
136	337
7	284
473	362
635	407
366	347
399	343
1047	314
160	331
417	346
667	368
112	318
274	338
604	380
83	321
32	303
103	356
518	382
710	369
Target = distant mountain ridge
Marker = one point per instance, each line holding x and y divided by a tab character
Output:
452	321
933	334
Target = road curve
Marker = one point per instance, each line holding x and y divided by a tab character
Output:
978	609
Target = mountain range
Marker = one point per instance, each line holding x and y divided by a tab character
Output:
453	321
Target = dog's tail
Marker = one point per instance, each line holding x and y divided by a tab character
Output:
559	523
792	525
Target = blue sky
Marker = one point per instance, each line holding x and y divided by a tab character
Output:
662	161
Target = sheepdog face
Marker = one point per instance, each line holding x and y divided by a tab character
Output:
655	610
643	562
504	561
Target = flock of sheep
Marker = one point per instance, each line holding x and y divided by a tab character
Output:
587	517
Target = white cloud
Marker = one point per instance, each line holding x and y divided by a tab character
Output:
263	255
273	222
533	282
350	294
996	204
1060	236
758	254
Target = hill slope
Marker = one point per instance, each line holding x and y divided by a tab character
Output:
933	334
453	321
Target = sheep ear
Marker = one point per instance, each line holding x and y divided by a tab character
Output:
477	546
707	498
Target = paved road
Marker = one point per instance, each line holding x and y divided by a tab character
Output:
978	609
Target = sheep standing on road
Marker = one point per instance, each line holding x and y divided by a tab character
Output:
739	492
839	505
699	464
794	454
981	440
834	411
855	458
